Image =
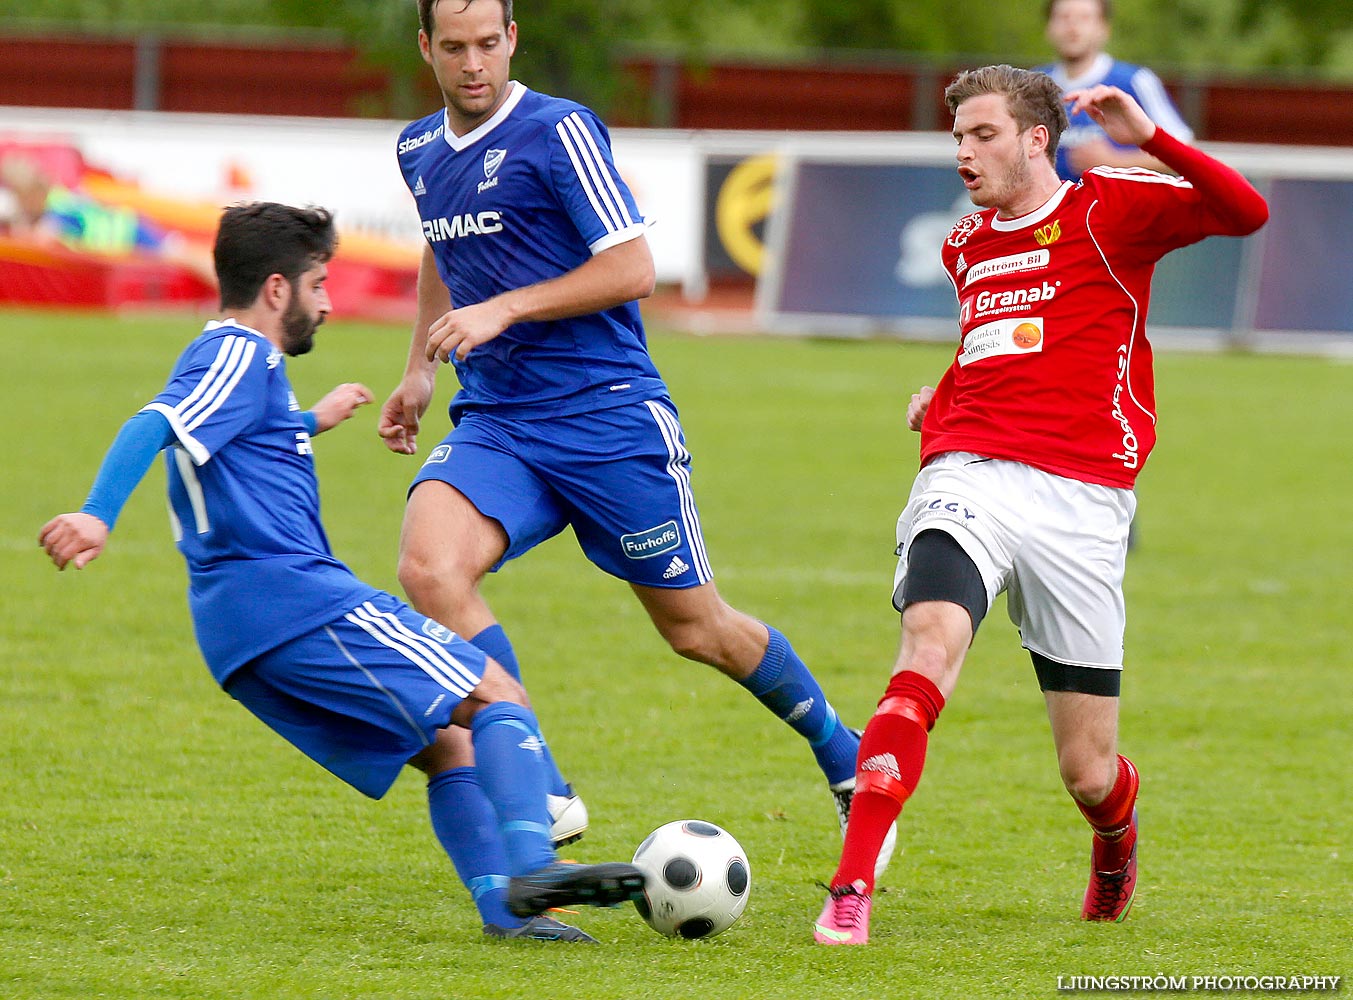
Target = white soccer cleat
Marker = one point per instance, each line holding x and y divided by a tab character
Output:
843	793
568	818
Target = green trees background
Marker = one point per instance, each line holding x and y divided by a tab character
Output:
573	46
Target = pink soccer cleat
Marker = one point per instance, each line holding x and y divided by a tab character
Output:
845	918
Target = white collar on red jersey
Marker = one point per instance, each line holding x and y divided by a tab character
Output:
1037	215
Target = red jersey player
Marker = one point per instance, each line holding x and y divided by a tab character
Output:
1030	446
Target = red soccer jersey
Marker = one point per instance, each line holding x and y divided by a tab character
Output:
1053	367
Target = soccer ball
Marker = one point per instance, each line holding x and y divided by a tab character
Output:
697	879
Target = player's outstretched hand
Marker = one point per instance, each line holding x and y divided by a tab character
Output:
73	538
339	404
403	411
920	402
1115	112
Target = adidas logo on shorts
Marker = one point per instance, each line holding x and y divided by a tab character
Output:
675	568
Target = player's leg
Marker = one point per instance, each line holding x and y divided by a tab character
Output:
1067	600
1102	782
348	695
699	625
625	478
511	770
472	506
943	599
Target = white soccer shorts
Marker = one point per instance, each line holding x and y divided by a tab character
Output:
1056	546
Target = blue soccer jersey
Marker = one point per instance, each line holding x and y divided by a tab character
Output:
244	500
1138	81
527	196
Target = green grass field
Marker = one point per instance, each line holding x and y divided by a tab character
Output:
158	842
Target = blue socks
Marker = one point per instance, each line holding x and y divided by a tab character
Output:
494	642
783	684
467	828
508	761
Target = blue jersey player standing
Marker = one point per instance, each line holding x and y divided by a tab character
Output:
535	256
350	675
1078	31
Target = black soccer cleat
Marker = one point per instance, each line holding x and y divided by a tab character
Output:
540	928
563	884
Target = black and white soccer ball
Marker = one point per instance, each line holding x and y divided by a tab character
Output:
698	879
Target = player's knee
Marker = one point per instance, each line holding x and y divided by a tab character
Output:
496	684
451	748
430	583
416	576
1088	778
691	640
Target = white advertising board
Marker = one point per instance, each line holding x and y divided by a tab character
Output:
347	165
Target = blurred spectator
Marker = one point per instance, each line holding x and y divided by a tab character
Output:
47	212
1078	30
42	211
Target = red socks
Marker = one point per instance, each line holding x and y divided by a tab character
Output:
887	770
1112	819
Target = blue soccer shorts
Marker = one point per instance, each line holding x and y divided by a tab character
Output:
363	694
621	477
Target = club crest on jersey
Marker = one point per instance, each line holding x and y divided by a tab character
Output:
436	630
1049	234
964	228
493	159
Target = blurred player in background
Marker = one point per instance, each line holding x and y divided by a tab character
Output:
350	675
1030	446
535	256
46	213
1078	31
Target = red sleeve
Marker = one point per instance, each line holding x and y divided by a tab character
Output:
1229	198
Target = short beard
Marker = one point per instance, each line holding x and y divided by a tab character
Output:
298	329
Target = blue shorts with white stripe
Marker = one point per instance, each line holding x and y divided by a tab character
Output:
364	693
619	476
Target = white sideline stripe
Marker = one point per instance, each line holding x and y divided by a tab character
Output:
241	352
607	174
231	362
196	498
579	137
222	353
428	655
678	459
1141	174
1136	309
592	174
422	737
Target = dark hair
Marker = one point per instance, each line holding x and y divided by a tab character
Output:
262	238
426	7
1032	98
1105	9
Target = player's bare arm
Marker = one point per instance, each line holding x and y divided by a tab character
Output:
73	539
617	275
339	404
403	411
1121	118
920	402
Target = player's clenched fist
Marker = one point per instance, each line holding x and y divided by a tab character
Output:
73	538
920	402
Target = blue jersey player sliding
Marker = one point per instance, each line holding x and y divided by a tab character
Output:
535	256
349	674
